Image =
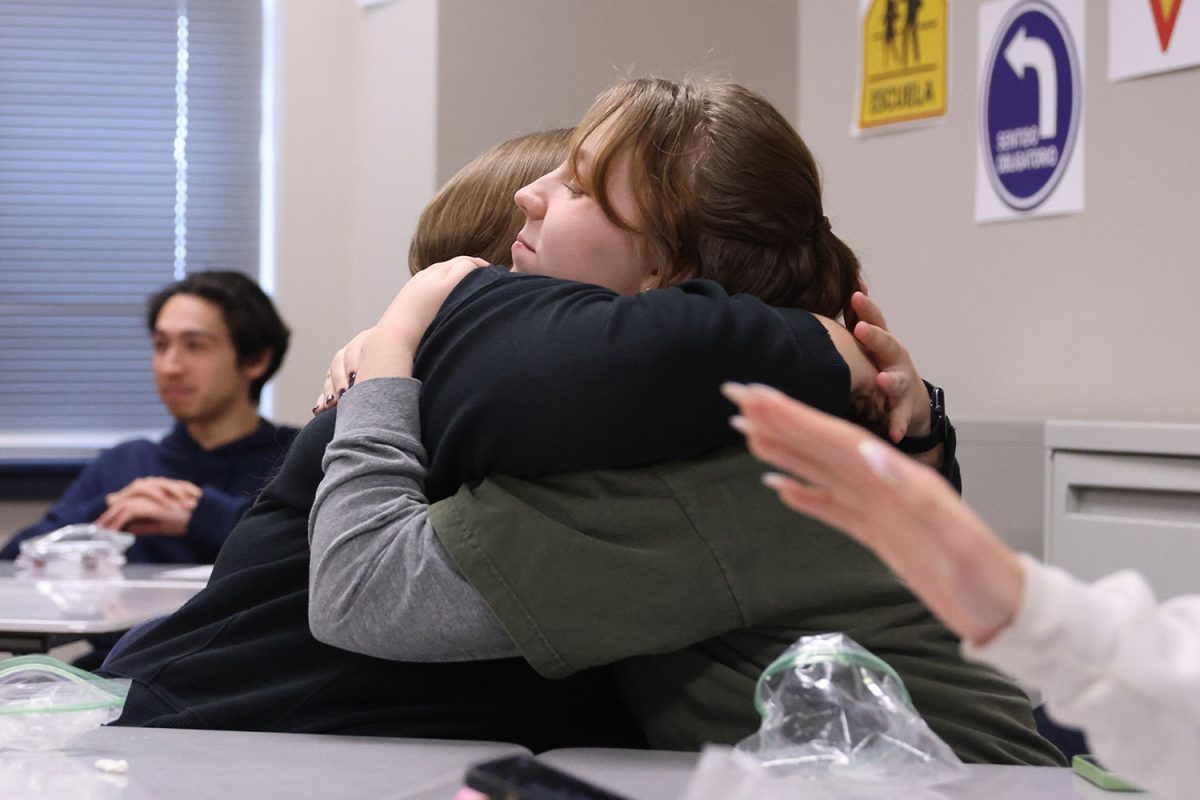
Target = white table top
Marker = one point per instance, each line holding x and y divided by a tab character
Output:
33	604
230	765
165	573
650	775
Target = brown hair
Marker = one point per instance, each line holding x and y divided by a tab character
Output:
725	190
474	214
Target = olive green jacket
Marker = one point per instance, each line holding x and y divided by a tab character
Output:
694	577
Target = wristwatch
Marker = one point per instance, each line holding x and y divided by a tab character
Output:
937	422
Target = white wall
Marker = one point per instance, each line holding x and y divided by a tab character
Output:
396	148
1080	317
380	105
356	160
17	514
515	66
1085	316
318	71
1088	316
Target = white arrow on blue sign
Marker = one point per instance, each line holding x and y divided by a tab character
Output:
1030	104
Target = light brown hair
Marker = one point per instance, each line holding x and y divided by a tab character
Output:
474	214
725	189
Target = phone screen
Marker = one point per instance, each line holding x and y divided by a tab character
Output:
525	778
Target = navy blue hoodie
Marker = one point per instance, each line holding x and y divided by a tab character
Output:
231	476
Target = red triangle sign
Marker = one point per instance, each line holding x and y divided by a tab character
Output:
1165	14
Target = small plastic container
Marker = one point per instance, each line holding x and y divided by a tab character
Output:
75	551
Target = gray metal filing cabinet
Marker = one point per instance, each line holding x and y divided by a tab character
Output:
1125	495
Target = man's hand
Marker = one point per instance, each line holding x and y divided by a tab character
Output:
140	515
151	505
164	490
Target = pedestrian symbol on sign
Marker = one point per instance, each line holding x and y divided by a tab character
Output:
903	74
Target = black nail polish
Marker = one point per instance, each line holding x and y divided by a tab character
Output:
353	376
328	399
316	409
341	392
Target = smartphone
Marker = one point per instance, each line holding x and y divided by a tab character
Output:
1090	769
526	778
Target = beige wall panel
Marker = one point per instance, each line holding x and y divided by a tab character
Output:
380	105
318	53
356	144
1086	316
18	514
396	148
511	67
1003	464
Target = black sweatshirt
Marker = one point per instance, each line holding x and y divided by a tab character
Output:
524	375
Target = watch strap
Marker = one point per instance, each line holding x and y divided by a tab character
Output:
937	422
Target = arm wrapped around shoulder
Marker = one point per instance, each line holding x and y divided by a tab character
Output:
526	375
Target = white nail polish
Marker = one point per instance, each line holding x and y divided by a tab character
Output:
733	390
773	480
878	459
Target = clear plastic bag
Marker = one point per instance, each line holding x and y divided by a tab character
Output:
726	774
832	709
45	703
75	550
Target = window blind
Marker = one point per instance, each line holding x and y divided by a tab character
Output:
129	155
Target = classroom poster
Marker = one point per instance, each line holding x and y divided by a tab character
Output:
1149	36
903	65
1029	160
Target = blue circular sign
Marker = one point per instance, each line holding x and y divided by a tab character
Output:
1031	97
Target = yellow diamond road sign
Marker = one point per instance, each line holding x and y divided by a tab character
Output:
904	50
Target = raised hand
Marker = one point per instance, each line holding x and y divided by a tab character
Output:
898	508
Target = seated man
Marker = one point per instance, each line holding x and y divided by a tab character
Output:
217	340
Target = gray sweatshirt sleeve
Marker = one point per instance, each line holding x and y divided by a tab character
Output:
380	582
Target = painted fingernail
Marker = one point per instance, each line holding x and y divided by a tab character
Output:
353	376
878	458
774	480
328	399
733	390
315	409
340	393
